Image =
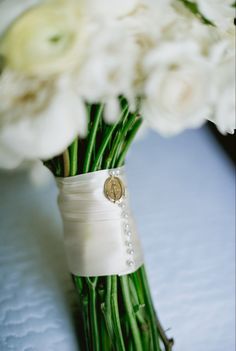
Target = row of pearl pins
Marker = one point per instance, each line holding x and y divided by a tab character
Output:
115	192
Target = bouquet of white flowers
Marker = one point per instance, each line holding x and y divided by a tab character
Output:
78	78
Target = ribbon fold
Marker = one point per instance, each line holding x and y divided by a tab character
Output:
100	234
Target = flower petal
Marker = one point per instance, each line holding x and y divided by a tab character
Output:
50	132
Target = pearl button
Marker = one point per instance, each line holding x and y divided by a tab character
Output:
130	263
129	244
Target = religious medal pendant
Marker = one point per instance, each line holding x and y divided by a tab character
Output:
114	189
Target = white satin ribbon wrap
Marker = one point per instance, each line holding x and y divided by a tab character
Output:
100	236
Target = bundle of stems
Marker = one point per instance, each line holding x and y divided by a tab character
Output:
116	313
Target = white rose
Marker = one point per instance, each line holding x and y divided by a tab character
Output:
176	94
223	96
34	124
45	40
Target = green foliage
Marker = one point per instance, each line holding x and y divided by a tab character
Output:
193	7
117	314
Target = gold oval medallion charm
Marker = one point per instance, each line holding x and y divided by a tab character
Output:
114	189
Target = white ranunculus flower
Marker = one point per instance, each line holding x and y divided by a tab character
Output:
22	96
112	111
225	111
225	47
41	125
120	9
183	26
141	17
220	12
47	39
176	95
10	10
112	63
39	175
223	96
112	8
8	158
187	26
109	69
146	23
123	40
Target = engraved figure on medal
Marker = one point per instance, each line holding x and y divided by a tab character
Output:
114	189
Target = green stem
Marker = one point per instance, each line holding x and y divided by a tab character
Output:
105	339
116	317
92	139
138	285
150	309
131	137
92	282
85	316
139	303
103	147
108	315
83	306
74	158
103	330
168	343
119	138
130	313
66	163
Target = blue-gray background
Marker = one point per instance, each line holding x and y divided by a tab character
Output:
183	196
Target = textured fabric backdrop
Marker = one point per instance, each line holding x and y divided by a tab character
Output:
182	192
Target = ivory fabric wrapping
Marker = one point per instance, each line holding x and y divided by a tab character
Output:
100	236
